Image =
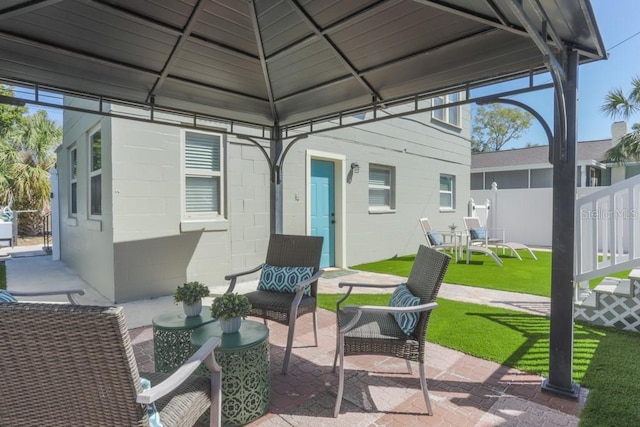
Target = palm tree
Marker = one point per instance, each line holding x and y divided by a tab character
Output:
617	105
26	156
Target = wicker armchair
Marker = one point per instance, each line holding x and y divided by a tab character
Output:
373	330
287	251
73	365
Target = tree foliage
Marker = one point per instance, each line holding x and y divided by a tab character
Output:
495	125
618	105
27	144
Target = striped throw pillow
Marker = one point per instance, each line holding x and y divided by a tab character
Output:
5	296
402	297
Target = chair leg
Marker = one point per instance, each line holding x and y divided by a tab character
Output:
336	410
315	327
425	390
409	369
287	353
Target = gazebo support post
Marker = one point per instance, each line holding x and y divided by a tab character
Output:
560	379
276	201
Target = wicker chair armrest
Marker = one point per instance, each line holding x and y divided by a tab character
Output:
234	276
366	285
300	286
351	285
70	293
387	309
183	372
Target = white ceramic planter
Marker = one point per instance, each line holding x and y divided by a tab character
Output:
230	326
192	310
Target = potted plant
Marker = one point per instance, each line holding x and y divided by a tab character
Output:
230	309
190	295
453	227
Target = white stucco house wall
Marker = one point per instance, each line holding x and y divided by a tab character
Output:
146	207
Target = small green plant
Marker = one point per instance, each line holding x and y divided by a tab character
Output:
190	293
453	227
230	305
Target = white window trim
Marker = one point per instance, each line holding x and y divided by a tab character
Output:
445	111
73	180
206	221
92	173
452	192
390	187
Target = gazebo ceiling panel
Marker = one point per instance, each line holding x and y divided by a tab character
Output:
279	61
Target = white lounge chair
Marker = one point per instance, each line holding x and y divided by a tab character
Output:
482	237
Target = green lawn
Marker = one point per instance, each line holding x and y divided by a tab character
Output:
604	358
528	276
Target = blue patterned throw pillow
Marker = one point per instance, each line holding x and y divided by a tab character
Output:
402	297
478	233
283	279
5	296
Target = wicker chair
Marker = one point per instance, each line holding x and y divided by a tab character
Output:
287	251
373	330
73	365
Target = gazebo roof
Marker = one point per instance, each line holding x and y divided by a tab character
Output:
284	62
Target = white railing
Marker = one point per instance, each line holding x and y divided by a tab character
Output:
607	230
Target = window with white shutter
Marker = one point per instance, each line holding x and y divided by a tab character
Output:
202	175
381	191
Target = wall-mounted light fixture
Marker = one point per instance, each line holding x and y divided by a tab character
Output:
355	167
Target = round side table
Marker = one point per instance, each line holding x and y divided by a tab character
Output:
246	377
171	338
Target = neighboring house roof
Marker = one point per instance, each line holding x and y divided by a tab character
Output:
587	150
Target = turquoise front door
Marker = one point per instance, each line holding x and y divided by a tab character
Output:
323	217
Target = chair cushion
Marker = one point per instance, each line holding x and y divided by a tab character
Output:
478	233
5	296
402	297
435	238
283	279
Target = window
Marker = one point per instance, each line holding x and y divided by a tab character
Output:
447	192
95	173
203	175
73	174
450	115
381	187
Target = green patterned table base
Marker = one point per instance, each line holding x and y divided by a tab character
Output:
171	348
246	383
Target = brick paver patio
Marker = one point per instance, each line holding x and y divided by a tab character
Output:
465	391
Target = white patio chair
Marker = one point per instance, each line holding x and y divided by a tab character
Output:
482	237
435	239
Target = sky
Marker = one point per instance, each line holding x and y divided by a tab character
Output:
618	23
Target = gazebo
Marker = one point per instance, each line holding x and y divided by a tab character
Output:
279	70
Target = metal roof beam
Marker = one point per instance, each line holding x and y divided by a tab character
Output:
263	60
345	21
182	39
85	56
536	37
496	11
161	26
391	62
341	56
30	6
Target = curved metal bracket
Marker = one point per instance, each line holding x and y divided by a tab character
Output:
277	167
561	107
535	114
264	153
